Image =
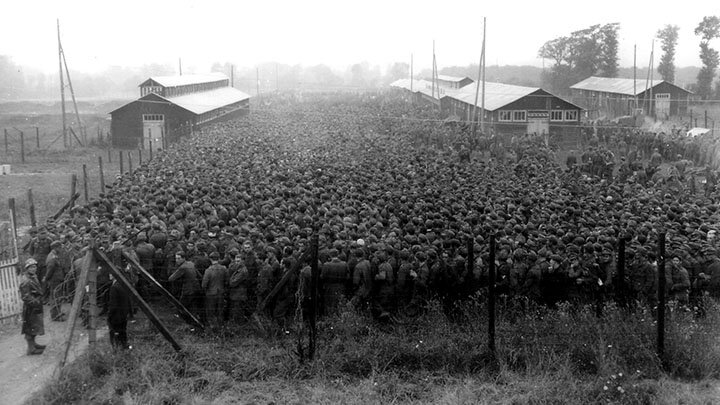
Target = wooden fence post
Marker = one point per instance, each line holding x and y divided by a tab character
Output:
661	297
139	157
129	162
33	221
92	301
491	295
37	137
120	154
73	187
621	292
151	142
314	279
102	175
22	147
77	301
109	155
85	183
13	215
6	141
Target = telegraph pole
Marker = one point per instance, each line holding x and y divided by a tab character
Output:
62	87
482	115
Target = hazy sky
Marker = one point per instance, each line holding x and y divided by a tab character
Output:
97	34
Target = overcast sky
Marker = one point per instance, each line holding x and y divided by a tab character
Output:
97	34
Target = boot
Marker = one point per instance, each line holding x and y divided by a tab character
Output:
32	350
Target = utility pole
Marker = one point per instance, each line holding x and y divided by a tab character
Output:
63	63
62	87
635	77
411	73
257	81
477	92
652	77
433	71
482	116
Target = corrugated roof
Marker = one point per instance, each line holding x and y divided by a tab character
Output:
172	81
451	78
497	95
614	85
422	86
205	101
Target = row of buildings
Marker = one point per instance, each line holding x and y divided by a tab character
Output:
517	110
171	106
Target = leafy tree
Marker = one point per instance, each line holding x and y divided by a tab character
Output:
669	37
608	63
708	29
398	70
587	52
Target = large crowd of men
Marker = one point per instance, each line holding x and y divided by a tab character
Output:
397	202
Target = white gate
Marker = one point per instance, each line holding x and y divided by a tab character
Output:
10	302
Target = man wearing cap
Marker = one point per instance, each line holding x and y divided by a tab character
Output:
333	275
39	249
31	293
54	276
214	283
119	309
189	280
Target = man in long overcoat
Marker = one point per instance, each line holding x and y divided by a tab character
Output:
31	293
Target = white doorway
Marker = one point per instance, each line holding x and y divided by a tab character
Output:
153	130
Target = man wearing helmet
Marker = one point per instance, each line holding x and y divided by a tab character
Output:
31	293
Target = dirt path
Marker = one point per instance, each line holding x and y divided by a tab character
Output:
22	375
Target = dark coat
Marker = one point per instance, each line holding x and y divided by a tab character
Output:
31	293
119	304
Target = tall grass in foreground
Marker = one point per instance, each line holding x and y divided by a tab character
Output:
565	355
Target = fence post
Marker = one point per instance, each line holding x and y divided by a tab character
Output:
102	175
33	221
705	120
661	298
491	295
13	215
6	141
150	143
314	278
109	155
37	137
121	163
92	300
620	286
22	147
85	183
139	157
73	188
129	162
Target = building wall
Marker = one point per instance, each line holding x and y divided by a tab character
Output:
127	122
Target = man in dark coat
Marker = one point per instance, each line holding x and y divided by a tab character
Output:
54	276
214	283
31	293
119	309
333	275
189	280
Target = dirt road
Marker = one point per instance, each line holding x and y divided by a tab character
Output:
21	375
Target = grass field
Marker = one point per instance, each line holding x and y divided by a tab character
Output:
543	357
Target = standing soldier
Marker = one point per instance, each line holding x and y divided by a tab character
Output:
39	250
238	307
333	276
214	282
145	252
54	276
362	281
680	286
31	293
119	309
187	276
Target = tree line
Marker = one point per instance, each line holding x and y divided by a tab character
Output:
593	52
